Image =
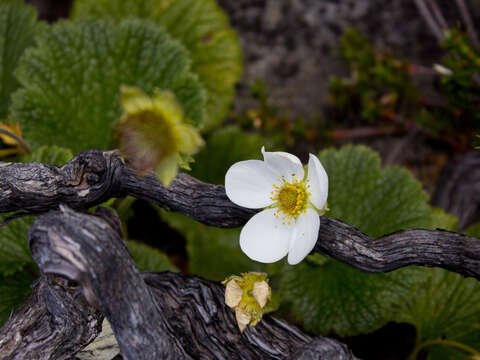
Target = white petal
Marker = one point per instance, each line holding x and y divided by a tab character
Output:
249	183
318	181
284	154
264	238
284	164
304	236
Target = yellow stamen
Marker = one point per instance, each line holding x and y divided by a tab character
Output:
291	199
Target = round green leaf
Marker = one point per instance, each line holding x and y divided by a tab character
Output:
328	296
202	26
51	155
377	201
72	80
445	308
443	220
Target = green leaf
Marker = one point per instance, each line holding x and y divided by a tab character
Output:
148	258
328	296
225	147
215	50
51	155
214	253
201	26
443	220
118	10
72	80
14	251
335	297
377	201
473	230
446	307
18	25
14	290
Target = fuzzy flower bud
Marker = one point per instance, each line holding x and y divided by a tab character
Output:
154	134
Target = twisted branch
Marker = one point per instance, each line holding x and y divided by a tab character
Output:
95	176
153	315
53	323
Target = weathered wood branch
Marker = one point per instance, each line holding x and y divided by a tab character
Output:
90	251
153	315
88	179
53	323
445	249
94	176
195	309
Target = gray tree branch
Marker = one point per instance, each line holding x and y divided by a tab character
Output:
153	315
94	176
53	323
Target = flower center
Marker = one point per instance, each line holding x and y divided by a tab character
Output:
291	199
287	197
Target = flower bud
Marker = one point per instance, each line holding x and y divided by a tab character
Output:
248	295
154	134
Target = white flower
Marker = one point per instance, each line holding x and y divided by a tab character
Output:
292	201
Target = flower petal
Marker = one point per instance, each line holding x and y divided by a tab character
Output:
304	236
264	238
282	153
284	164
249	183
318	181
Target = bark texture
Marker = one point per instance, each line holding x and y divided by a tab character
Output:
94	176
445	249
153	315
53	323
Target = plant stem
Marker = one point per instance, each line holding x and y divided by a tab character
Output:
462	6
438	14
451	343
364	132
427	15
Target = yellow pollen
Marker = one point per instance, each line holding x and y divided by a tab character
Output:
291	199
